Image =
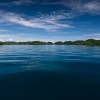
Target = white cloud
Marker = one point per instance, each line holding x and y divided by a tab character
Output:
76	6
1	39
84	6
22	2
10	40
24	37
91	35
92	29
29	2
92	6
46	22
3	30
17	2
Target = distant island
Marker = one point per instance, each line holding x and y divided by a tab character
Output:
78	42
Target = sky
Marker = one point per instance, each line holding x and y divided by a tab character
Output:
49	20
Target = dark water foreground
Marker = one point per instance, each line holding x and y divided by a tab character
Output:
49	73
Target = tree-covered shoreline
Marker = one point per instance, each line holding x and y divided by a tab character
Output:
78	42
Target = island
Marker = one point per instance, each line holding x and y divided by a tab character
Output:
91	42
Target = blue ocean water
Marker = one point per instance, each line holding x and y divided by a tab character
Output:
49	72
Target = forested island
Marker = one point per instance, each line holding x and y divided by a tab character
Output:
78	42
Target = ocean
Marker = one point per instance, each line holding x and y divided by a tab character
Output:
49	72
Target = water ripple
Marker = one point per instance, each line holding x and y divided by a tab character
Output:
49	57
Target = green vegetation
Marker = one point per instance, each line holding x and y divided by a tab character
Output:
59	43
78	42
25	43
49	43
1	43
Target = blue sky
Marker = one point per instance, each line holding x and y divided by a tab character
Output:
49	20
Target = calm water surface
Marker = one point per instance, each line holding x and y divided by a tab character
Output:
49	72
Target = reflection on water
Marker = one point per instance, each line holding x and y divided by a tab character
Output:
62	71
15	58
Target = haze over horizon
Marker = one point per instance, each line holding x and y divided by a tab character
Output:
49	20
